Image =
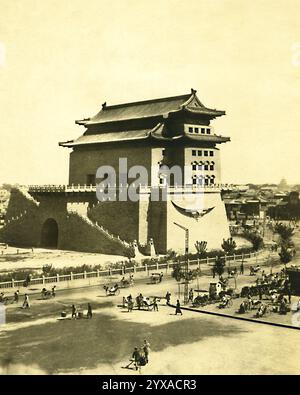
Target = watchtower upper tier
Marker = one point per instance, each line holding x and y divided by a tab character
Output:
172	119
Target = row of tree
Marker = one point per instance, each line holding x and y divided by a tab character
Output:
229	246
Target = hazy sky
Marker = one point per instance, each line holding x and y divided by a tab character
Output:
60	59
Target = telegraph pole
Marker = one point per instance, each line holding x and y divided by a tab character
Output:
186	266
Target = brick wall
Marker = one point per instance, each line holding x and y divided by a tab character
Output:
78	235
22	218
87	161
119	218
74	233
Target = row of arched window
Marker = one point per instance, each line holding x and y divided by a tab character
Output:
203	180
203	165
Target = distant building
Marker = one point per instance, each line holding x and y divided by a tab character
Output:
283	185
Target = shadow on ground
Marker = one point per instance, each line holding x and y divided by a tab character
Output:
70	345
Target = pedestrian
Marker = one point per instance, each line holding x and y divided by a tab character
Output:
28	279
191	295
89	311
289	291
26	304
129	305
168	297
74	311
242	268
16	296
178	309
139	299
124	302
213	272
260	293
53	291
135	359
146	349
155	305
136	356
161	277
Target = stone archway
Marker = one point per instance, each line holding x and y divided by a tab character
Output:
49	234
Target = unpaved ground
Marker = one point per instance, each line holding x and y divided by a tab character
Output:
14	258
36	341
193	344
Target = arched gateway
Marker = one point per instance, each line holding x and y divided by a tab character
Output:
49	234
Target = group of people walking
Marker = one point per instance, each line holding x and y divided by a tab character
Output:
76	313
5	299
26	302
141	302
140	356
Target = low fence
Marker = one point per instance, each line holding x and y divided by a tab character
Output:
231	262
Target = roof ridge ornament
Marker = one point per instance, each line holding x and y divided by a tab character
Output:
193	91
104	105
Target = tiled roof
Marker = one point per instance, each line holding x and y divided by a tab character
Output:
142	109
150	108
212	138
108	137
159	132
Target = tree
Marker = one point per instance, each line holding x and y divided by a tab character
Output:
7	187
285	255
219	265
47	269
171	255
285	232
229	246
256	240
130	252
178	273
287	246
201	248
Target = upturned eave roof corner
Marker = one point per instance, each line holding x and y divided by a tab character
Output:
82	121
193	99
154	108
